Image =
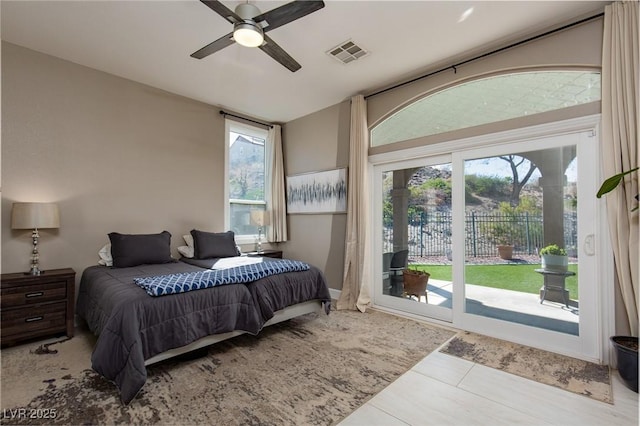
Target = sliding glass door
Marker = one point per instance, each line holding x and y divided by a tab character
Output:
521	200
476	221
414	205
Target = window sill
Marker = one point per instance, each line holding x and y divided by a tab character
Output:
246	239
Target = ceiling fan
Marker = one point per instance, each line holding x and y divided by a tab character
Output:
250	26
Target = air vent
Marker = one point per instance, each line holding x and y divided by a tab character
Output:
347	52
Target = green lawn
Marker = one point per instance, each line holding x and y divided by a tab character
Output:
508	277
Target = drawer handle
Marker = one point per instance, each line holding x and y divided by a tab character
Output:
36	294
33	319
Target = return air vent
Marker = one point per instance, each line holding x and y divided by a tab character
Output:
347	52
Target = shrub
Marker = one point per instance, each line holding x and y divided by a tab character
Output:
553	249
488	186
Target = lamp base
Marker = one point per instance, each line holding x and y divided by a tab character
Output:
35	256
259	241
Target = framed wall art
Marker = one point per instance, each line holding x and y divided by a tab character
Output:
317	192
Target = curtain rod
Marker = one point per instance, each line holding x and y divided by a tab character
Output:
222	112
455	66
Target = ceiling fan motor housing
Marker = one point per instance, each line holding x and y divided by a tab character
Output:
247	11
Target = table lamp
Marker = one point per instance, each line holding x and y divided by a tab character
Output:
35	216
260	218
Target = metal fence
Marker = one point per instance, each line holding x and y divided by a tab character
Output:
430	233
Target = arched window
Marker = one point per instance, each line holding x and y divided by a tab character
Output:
488	100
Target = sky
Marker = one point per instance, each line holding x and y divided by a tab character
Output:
496	167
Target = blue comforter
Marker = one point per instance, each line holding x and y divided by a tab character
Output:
179	283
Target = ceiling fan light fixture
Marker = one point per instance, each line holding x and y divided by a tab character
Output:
248	33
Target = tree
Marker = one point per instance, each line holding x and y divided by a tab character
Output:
516	161
239	183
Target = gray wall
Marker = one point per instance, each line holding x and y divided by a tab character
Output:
316	142
114	154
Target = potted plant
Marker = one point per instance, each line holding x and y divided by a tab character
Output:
505	249
505	231
504	246
554	258
415	282
501	235
626	347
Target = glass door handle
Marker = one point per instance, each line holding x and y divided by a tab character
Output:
589	246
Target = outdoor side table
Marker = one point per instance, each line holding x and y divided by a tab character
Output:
555	281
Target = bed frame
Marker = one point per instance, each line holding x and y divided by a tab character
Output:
279	316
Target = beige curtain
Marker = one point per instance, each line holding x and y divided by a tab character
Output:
620	144
355	290
276	201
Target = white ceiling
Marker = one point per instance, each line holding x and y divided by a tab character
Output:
150	42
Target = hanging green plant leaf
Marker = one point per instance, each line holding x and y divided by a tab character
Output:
611	183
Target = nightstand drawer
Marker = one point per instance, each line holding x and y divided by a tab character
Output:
27	320
38	293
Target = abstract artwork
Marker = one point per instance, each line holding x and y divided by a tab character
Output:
317	192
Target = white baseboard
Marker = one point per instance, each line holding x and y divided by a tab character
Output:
335	294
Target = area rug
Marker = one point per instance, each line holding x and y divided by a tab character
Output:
581	377
312	370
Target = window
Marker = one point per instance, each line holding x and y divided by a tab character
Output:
247	174
488	100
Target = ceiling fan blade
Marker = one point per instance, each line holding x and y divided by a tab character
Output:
272	49
288	13
222	10
213	47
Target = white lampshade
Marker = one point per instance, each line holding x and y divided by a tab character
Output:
260	218
35	216
248	34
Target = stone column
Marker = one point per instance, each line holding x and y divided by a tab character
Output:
400	201
553	181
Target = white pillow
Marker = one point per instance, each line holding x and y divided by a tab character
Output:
188	238
105	256
186	251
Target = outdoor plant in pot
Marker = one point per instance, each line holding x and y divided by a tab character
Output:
554	258
626	347
415	281
504	232
505	250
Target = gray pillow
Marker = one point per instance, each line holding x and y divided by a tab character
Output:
213	244
140	249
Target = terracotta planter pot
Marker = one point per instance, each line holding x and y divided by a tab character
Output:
415	283
505	251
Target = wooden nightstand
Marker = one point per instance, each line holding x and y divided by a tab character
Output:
37	305
277	254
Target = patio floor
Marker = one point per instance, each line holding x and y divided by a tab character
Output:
514	306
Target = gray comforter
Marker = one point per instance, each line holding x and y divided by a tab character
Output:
132	326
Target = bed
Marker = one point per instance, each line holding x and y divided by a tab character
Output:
135	329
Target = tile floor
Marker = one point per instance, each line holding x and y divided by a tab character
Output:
446	390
